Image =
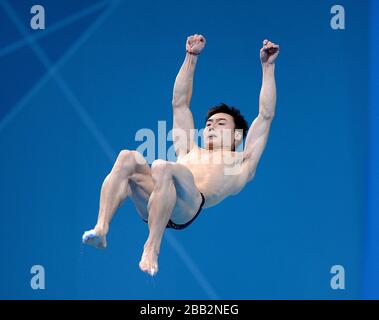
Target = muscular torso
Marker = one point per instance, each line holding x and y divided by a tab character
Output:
217	173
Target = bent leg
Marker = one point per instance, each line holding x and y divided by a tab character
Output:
174	196
129	165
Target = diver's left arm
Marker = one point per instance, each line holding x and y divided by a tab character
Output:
259	130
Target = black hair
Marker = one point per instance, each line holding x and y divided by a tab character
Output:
239	120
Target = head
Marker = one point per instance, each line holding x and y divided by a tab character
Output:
225	128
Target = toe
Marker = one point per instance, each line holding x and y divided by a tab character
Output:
153	271
142	266
88	235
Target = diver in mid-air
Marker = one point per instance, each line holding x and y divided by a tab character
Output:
172	194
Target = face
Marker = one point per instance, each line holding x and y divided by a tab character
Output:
219	132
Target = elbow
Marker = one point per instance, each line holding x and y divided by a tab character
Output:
175	101
179	102
177	96
267	115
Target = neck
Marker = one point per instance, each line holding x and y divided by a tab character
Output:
211	148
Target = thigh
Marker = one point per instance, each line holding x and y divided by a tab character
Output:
188	198
141	186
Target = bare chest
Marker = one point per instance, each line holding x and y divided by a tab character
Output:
216	174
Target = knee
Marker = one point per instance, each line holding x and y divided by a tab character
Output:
126	160
161	170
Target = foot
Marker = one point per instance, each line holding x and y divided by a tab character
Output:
95	238
149	261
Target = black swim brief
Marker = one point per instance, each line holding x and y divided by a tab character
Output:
173	225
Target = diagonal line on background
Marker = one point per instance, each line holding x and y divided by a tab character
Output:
54	27
84	116
8	118
89	123
193	268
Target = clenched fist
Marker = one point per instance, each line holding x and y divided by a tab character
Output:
269	52
195	44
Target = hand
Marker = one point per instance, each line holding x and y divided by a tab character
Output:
269	52
195	44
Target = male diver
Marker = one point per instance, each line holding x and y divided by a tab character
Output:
172	194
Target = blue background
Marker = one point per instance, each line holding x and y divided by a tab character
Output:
73	95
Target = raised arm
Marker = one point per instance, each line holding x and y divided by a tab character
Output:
183	133
259	130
